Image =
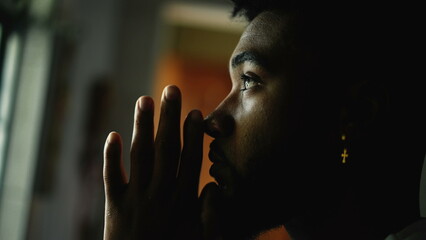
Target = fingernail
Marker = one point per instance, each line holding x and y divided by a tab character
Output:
109	138
196	115
172	93
145	103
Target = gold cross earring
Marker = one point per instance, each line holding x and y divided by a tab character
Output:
345	154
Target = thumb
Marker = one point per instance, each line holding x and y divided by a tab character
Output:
211	212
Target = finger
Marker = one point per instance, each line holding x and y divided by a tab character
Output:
167	141
211	211
114	173
191	158
142	147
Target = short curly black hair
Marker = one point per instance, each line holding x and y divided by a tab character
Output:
347	31
313	28
251	8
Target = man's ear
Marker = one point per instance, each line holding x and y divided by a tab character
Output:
365	107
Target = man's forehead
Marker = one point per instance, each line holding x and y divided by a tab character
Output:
266	22
265	34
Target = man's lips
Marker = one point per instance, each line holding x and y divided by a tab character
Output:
217	166
216	157
219	162
215	153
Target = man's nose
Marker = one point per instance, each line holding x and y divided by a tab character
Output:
219	124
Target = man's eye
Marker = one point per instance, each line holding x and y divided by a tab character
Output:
249	81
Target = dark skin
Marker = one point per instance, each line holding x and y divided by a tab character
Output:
276	157
153	198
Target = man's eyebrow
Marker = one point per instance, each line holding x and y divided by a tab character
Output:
247	57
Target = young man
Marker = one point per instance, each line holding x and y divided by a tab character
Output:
318	134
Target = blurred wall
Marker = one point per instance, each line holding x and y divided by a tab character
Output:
85	48
105	58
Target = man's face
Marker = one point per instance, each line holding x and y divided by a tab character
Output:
249	116
263	128
254	124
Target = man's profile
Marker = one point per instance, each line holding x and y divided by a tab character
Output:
318	134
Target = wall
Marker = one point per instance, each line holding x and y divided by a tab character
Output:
105	54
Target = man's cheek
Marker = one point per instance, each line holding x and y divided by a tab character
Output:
251	101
